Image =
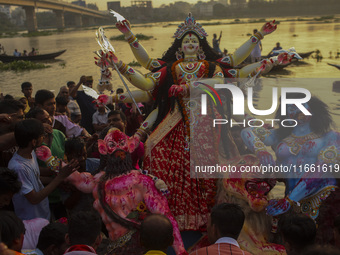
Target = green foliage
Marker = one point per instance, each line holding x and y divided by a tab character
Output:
37	33
212	24
8	34
134	63
21	66
139	37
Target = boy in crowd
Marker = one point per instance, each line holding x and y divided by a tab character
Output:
74	200
11	111
52	239
46	100
62	103
100	118
12	230
27	89
31	202
83	233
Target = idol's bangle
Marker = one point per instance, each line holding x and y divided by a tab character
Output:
141	132
122	67
259	35
131	39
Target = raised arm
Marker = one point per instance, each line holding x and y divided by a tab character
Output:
243	52
137	49
256	139
85	182
157	203
143	82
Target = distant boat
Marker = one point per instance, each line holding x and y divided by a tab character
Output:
7	59
337	66
303	55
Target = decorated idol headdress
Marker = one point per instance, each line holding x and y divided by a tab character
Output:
190	24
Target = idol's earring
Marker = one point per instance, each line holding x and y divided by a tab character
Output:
201	54
179	54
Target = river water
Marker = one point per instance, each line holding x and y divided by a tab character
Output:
78	59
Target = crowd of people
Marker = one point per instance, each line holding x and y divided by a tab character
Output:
75	177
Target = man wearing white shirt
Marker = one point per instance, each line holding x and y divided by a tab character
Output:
224	226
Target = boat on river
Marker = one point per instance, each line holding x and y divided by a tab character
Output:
337	66
7	58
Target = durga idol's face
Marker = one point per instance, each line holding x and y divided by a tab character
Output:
190	44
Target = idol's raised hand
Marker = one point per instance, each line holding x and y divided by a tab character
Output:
124	27
106	59
268	28
278	206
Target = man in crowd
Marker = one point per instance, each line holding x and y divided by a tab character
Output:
85	102
216	43
256	52
298	232
83	233
156	234
72	105
224	226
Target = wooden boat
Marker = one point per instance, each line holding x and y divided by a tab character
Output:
6	58
303	55
337	66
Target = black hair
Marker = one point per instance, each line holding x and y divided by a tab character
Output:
9	182
42	96
34	112
74	145
26	84
156	232
114	112
69	83
52	234
8	96
298	230
320	123
61	100
11	227
228	218
27	130
84	228
10	106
